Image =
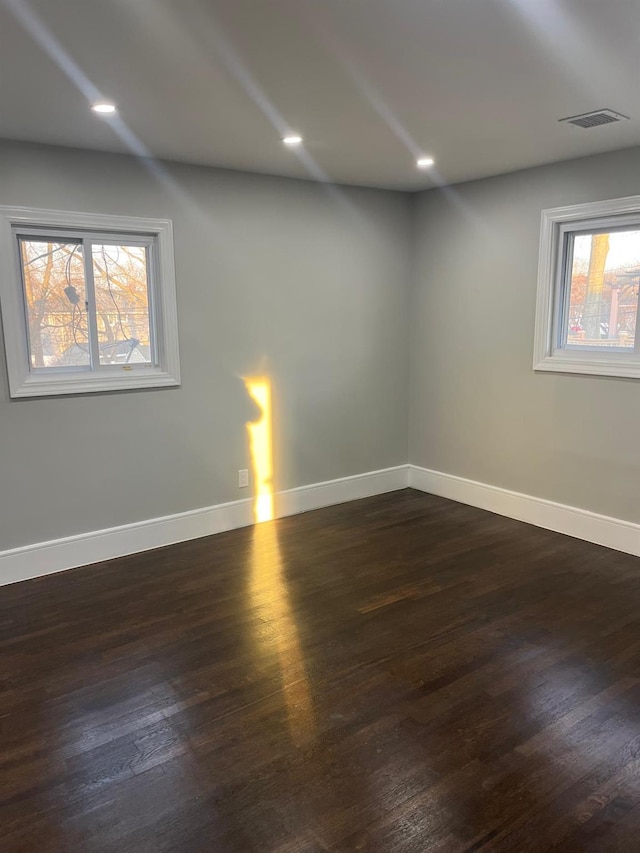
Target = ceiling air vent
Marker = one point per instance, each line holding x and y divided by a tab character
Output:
594	119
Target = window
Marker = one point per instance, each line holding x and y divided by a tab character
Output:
88	302
589	276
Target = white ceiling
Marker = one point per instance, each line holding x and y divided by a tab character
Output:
479	84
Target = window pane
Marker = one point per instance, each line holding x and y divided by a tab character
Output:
55	295
122	304
603	302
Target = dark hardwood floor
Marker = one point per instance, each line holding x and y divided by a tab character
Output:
400	673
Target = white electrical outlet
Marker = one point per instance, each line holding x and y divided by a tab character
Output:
243	478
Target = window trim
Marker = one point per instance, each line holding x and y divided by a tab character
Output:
556	223
25	382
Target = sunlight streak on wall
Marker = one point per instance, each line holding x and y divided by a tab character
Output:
260	441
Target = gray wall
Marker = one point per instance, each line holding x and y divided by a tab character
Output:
477	408
310	285
287	278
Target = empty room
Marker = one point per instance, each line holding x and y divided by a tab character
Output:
319	411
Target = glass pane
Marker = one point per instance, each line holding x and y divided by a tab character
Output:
122	304
603	302
55	295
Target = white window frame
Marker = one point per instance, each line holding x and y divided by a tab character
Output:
163	317
557	222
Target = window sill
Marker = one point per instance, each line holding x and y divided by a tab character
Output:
627	367
35	385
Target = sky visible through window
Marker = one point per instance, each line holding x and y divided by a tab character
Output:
624	249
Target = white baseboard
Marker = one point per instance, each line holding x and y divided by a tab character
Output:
340	491
572	521
72	551
45	558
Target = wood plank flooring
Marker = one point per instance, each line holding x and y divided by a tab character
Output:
400	673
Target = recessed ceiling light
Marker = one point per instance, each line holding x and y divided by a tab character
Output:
294	139
425	162
104	108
